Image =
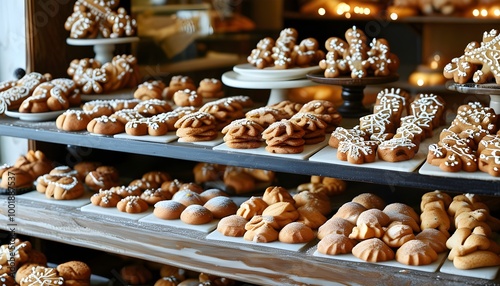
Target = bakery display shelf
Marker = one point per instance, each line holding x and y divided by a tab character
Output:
192	250
47	132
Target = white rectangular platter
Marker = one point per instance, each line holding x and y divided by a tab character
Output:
115	212
308	151
329	155
39	197
433	267
206	228
428	169
483	273
169	137
216	235
209	143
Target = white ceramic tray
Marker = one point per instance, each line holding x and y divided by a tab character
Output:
206	228
329	155
483	273
433	267
428	169
210	143
169	137
40	116
272	73
115	212
39	197
308	151
101	41
216	235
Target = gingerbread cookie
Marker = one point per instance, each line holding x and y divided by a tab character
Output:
261	56
284	137
197	126
243	134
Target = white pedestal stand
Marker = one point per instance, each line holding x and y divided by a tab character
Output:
279	88
103	47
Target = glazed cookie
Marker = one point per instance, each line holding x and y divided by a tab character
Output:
186	97
460	70
105	198
284	137
150	90
179	82
334	63
197	126
324	110
265	116
357	152
152	107
307	53
105	125
290	107
283	48
430	106
73	120
313	126
342	134
482	55
132	204
261	55
243	134
224	111
210	88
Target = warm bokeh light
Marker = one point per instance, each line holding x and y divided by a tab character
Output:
484	12
420	82
475	12
321	11
393	16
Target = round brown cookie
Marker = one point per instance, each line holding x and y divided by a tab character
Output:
210	88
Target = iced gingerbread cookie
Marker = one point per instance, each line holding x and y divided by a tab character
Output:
284	137
261	56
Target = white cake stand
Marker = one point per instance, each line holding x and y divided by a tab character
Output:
279	88
491	89
103	47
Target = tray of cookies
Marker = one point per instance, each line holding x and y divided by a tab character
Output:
468	147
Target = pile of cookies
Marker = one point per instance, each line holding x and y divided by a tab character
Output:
286	51
386	133
279	216
28	266
94	77
285	127
470	143
479	62
53	95
358	57
375	231
93	18
26	169
472	244
181	89
14	92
